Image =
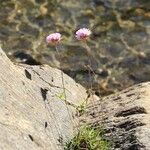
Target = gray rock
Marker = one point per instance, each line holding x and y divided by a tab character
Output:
33	114
124	116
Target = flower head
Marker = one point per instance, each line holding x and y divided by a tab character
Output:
53	38
83	34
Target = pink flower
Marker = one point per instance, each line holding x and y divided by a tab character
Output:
53	38
83	34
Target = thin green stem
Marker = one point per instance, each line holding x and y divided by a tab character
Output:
62	77
63	85
90	70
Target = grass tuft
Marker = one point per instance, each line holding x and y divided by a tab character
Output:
88	138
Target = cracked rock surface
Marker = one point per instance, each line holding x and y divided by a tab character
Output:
33	114
125	117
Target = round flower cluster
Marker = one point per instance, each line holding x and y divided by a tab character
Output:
53	38
81	34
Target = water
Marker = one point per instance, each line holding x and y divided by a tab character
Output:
118	26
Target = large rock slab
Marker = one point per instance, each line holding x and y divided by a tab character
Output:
125	116
33	113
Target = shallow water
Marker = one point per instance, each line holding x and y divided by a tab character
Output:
120	28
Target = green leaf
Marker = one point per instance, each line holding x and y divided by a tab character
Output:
61	96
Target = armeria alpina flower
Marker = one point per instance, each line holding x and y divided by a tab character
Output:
83	34
53	38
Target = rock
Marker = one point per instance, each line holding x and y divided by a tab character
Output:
33	112
25	58
125	117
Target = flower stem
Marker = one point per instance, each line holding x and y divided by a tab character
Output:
63	86
90	70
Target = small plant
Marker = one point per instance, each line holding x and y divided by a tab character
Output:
61	96
88	138
81	109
